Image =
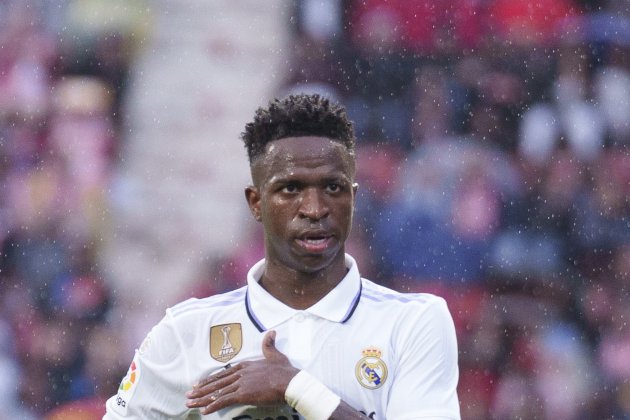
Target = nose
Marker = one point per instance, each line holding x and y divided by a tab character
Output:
313	204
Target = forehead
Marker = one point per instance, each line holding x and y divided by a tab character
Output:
291	154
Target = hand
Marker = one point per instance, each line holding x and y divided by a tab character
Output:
259	382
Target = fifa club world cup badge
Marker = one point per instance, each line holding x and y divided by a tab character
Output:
225	341
371	371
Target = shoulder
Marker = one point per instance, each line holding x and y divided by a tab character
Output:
413	319
193	306
377	294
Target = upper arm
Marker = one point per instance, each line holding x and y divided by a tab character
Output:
426	375
156	382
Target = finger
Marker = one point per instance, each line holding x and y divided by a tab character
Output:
216	376
218	400
227	398
269	345
211	387
208	398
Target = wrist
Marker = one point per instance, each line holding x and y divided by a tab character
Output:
311	398
282	379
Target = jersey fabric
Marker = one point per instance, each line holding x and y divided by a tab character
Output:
388	354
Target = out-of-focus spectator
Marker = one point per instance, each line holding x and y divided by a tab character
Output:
378	167
535	238
379	101
432	111
444	216
420	26
571	120
27	54
82	136
528	23
611	85
602	206
103	370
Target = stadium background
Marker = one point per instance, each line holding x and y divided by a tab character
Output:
494	168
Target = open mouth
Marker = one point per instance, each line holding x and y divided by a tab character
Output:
315	243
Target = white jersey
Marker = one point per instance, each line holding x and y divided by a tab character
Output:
388	354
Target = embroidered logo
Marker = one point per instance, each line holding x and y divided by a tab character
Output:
371	371
225	341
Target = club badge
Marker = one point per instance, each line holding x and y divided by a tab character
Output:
371	371
225	341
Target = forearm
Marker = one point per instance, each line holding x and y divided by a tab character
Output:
315	401
345	412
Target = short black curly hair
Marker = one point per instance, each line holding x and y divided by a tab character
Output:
297	116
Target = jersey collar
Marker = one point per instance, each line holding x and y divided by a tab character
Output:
266	312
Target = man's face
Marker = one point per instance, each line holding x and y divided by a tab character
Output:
303	194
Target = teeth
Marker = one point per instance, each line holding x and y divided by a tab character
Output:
315	241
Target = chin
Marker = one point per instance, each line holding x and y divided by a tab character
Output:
313	263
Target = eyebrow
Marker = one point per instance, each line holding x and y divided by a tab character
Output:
283	179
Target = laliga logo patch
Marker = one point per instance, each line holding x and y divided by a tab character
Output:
130	379
128	385
371	371
225	341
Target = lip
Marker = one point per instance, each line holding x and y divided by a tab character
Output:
315	241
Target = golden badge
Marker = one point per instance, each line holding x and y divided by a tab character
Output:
226	341
371	371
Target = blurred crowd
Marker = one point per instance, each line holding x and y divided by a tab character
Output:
60	92
494	170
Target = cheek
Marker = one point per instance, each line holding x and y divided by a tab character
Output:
277	214
347	212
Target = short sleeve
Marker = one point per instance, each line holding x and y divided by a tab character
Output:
425	380
155	384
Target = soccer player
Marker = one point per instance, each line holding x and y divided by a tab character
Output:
307	338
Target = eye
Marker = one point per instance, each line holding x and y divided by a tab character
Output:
333	187
290	188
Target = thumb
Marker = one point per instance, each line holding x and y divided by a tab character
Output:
269	345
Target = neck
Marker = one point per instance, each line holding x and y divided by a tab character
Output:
301	290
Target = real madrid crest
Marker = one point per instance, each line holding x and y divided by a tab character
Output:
226	341
371	371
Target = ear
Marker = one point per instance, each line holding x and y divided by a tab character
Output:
355	187
252	195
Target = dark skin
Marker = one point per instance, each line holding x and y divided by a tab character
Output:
303	194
